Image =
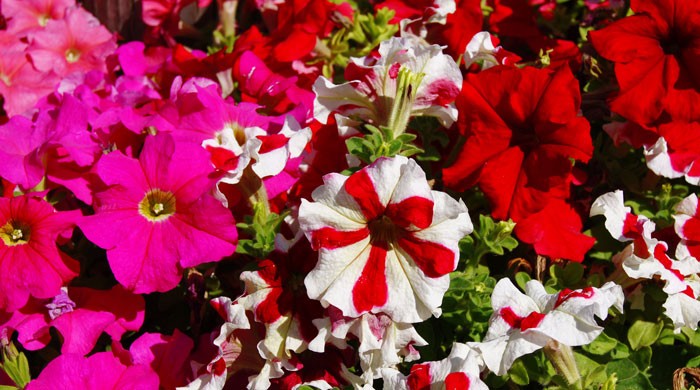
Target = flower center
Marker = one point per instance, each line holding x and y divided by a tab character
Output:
157	205
60	304
236	130
382	230
72	55
14	233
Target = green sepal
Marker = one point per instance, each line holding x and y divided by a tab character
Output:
15	365
261	227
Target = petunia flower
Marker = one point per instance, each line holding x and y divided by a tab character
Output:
687	226
386	241
77	42
647	258
30	262
655	52
21	85
80	315
459	370
408	79
522	130
277	299
166	355
524	323
383	343
26	16
157	217
102	370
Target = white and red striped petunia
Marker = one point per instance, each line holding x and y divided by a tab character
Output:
523	323
646	257
409	78
460	370
386	241
687	225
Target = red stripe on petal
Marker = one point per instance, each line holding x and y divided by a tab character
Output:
531	321
223	159
361	188
662	257
633	228
419	378
457	381
432	258
566	294
330	238
370	290
414	210
272	142
523	323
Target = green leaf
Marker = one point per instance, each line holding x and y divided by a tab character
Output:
642	358
4	387
624	368
644	333
601	345
518	373
521	278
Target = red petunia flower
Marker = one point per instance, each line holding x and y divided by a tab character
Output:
522	132
656	52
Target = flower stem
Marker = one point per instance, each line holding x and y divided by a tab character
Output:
562	358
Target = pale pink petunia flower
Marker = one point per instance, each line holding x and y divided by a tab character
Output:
25	16
76	43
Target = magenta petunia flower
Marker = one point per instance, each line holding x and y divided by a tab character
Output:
157	216
80	315
30	262
100	371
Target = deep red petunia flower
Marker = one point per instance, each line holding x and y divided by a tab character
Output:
656	52
522	132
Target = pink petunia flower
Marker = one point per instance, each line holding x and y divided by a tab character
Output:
29	15
524	323
157	217
78	42
21	86
30	262
386	241
99	371
80	315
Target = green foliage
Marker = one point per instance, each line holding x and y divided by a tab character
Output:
261	227
467	303
489	237
380	142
